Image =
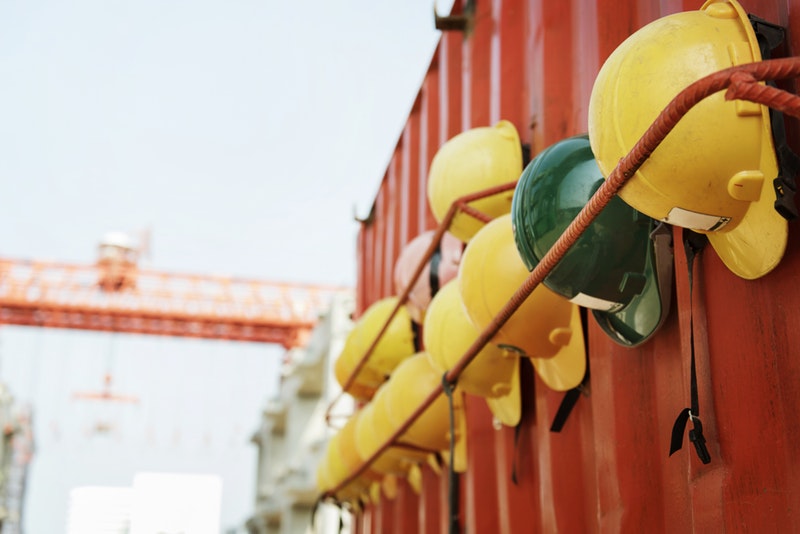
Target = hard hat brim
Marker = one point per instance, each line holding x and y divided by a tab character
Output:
567	368
642	317
508	408
757	244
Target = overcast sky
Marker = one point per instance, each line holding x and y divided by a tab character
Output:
243	134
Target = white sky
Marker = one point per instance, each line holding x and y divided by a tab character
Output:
242	133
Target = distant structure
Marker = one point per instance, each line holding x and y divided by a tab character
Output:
293	433
117	261
95	509
155	503
115	294
16	451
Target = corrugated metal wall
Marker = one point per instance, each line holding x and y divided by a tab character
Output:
533	62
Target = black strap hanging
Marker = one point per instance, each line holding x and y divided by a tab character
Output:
693	245
453	490
565	408
526	376
571	397
433	273
433	281
517	432
785	184
770	37
416	329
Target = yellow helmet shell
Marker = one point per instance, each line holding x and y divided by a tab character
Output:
367	380
410	384
337	470
348	439
472	161
396	344
373	429
713	173
448	333
546	327
338	467
323	474
491	271
493	374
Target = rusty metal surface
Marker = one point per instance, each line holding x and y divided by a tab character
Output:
533	62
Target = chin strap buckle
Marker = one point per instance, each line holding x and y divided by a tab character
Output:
698	440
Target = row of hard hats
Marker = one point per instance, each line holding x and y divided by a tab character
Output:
410	383
714	172
711	174
612	269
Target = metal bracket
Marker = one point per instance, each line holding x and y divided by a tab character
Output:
460	23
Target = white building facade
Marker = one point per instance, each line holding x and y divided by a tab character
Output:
293	433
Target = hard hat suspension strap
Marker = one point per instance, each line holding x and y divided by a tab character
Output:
525	370
571	397
433	274
785	184
693	245
770	37
664	266
453	481
415	329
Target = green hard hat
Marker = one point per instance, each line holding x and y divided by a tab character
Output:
616	267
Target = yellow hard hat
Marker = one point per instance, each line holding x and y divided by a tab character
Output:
411	382
493	374
397	342
348	451
546	327
713	173
323	474
367	380
408	387
472	161
335	470
373	429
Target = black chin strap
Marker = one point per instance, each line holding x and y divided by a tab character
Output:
453	490
571	397
568	403
526	376
433	272
693	245
415	329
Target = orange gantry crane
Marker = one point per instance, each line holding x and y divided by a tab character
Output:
115	295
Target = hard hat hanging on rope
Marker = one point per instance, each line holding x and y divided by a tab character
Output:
714	171
620	268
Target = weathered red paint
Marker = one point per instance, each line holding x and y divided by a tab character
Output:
431	502
533	62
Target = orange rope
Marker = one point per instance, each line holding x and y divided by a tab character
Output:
460	204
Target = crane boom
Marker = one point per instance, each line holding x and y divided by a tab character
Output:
62	295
